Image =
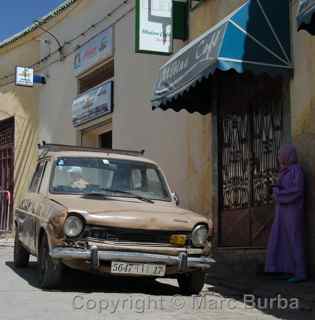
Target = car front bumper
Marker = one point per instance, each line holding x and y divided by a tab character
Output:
182	261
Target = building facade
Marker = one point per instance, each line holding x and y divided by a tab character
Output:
97	97
256	94
197	150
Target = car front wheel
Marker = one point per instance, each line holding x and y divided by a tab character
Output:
50	271
21	256
192	282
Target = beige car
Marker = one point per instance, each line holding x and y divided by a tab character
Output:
108	213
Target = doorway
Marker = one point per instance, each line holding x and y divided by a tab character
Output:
251	130
106	140
6	173
98	136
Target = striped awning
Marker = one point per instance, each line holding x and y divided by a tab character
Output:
255	37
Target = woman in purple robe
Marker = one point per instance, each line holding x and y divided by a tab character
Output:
285	252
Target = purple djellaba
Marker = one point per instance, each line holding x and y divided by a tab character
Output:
285	252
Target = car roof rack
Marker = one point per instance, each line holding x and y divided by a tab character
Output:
50	147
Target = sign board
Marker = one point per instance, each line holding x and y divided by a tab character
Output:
24	76
154	26
94	51
190	63
93	104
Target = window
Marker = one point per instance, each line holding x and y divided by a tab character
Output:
37	177
113	177
146	180
96	77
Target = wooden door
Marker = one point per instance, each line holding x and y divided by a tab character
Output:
250	128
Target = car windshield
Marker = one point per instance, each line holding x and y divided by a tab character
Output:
108	177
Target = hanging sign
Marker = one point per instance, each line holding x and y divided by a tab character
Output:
93	104
154	26
94	51
24	76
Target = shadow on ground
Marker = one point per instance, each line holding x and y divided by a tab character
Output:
76	281
263	301
80	282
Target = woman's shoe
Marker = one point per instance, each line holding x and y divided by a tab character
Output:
296	280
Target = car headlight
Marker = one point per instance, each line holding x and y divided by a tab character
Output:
200	235
73	226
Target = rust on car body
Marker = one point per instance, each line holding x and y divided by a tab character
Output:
73	190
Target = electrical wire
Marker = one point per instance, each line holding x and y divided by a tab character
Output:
38	63
78	36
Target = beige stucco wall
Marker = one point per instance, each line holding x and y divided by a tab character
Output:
177	141
303	119
209	13
22	104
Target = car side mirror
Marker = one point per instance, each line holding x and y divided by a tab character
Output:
175	198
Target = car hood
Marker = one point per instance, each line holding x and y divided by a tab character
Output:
132	213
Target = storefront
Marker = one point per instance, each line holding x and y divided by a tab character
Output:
238	71
92	109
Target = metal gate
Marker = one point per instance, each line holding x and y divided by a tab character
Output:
6	173
250	133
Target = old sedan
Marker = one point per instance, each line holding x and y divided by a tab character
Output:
108	212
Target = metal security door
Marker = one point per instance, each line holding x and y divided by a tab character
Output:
249	139
6	173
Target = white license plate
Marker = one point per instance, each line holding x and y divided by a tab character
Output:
146	269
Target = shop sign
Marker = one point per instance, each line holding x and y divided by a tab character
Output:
154	26
190	62
93	104
24	76
94	51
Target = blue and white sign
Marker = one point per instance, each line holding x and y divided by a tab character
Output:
93	104
94	51
24	76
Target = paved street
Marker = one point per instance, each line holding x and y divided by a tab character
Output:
88	297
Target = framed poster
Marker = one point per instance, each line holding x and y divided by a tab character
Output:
93	103
97	49
154	26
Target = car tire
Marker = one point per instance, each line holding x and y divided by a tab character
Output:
192	282
21	256
50	271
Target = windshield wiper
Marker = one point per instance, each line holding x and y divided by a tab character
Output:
134	195
94	194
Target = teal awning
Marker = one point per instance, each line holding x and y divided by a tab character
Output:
255	37
306	17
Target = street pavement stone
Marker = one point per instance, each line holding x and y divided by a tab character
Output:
90	297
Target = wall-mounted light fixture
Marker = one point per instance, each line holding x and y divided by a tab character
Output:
60	45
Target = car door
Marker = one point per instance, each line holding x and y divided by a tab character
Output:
26	213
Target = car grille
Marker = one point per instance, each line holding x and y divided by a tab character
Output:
130	235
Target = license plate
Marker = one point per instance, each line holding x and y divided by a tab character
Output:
146	269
